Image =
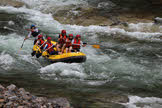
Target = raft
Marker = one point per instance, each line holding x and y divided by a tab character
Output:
73	57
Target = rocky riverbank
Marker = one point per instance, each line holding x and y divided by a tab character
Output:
102	12
13	97
110	12
13	3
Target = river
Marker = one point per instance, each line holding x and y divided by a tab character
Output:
128	64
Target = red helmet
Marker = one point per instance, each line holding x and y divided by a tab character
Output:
40	36
77	36
49	38
70	35
63	32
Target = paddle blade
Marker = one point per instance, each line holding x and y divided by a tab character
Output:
96	46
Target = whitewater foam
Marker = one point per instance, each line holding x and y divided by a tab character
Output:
47	23
6	61
64	69
145	102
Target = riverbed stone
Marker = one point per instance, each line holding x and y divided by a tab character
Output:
1	88
11	87
12	97
2	100
62	102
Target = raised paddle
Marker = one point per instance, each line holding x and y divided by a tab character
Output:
22	44
39	54
34	52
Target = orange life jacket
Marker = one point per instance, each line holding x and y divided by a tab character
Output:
68	42
76	44
49	45
62	41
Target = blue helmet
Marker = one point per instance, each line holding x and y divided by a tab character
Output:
32	26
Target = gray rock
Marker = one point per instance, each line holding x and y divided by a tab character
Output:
62	102
1	88
106	5
9	103
15	105
22	89
11	87
158	20
41	99
2	100
20	107
49	105
7	94
13	98
1	96
26	97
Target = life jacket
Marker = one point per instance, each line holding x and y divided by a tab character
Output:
34	33
42	43
68	42
76	42
49	45
63	40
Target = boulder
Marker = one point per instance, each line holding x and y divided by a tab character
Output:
158	20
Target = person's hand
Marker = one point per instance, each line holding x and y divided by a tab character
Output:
84	45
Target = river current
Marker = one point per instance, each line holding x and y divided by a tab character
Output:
128	63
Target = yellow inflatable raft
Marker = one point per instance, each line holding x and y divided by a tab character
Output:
73	57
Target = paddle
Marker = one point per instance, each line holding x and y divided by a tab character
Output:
34	52
94	46
9	28
39	54
22	44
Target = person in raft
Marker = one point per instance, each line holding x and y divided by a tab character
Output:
68	44
33	31
77	43
49	47
40	43
61	40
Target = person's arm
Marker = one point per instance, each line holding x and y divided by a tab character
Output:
82	44
37	43
72	42
36	30
45	47
28	35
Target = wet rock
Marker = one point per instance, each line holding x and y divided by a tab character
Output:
7	94
9	104
41	100
1	88
1	96
26	97
62	102
20	107
12	97
2	100
158	20
108	6
12	87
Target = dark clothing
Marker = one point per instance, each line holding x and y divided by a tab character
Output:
53	52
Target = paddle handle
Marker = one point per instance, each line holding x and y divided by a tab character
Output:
22	44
